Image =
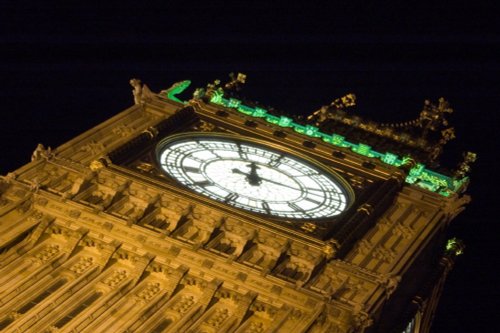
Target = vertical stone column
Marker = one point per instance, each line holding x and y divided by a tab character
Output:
365	216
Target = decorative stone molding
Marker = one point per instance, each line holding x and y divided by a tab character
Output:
115	278
45	254
93	147
455	205
365	246
403	231
146	294
82	265
384	254
362	320
329	250
122	130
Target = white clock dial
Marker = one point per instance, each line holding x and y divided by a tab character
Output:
253	176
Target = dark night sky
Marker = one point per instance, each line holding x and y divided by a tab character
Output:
66	69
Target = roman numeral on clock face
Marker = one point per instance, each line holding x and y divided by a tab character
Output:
295	207
231	197
203	183
275	161
243	154
266	207
191	169
313	200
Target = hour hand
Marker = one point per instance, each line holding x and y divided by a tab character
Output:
238	171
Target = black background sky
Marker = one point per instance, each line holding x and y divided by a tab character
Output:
65	68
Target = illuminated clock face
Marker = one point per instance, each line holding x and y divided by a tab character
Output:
253	176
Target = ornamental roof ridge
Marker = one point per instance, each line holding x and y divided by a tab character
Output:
431	120
426	135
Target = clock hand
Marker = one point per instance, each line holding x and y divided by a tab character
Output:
260	179
238	171
252	177
278	183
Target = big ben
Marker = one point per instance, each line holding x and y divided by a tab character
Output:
216	215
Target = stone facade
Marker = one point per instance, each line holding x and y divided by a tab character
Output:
89	245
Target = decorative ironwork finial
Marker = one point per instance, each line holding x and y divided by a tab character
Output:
213	90
455	246
236	81
432	117
325	112
464	167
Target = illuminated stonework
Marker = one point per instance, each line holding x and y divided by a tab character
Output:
95	237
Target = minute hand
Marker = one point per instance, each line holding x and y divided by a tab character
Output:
265	179
278	183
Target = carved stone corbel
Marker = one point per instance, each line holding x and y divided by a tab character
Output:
73	238
362	320
389	283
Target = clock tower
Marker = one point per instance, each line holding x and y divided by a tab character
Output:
217	215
